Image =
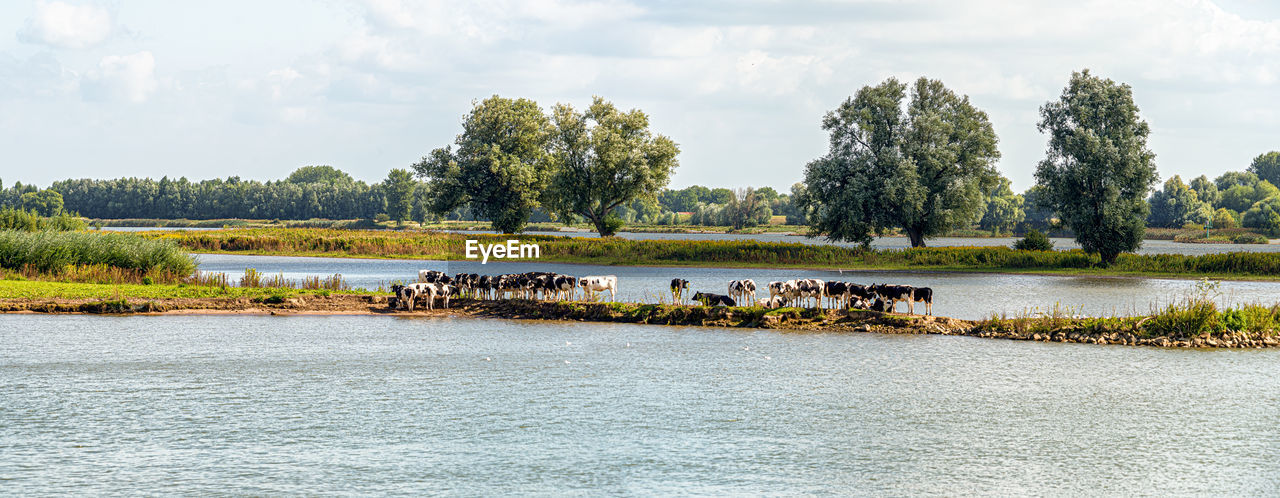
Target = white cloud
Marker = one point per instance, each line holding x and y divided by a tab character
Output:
62	25
124	77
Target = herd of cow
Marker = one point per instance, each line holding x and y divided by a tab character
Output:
435	286
803	292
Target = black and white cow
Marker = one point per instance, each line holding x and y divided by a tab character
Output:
439	290
742	290
786	290
837	293
564	286
709	299
925	295
408	295
860	296
430	276
880	305
599	283
895	293
811	288
678	286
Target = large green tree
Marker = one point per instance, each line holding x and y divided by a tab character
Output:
923	169
501	167
1098	169
605	158
1267	167
1176	205
400	188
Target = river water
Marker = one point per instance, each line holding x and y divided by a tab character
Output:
264	405
959	295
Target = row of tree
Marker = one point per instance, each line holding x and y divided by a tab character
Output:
926	165
923	163
1233	199
512	158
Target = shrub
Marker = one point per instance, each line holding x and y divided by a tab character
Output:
1249	238
1034	241
29	221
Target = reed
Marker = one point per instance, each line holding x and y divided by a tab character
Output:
53	252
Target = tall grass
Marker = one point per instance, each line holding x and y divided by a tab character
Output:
53	252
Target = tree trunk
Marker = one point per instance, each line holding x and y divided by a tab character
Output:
600	222
916	236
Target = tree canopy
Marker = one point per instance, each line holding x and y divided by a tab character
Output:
1267	167
319	174
1098	170
400	194
501	167
923	170
1004	209
1176	205
605	158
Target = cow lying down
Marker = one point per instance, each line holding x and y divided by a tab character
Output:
709	299
772	302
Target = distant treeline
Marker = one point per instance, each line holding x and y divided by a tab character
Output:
218	198
326	193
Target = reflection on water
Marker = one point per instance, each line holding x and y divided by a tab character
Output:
260	405
966	295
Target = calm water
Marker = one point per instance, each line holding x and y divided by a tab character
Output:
369	405
955	294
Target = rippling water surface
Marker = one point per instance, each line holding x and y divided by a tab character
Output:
364	405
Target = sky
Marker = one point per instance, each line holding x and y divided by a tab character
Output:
118	88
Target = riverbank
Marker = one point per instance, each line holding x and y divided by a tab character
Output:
724	253
1157	331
